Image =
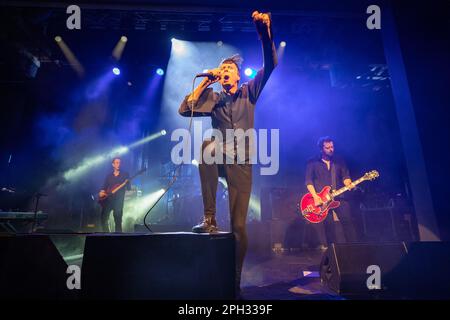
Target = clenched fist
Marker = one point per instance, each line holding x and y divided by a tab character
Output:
262	20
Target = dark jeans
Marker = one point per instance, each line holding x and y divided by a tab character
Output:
117	210
344	229
239	180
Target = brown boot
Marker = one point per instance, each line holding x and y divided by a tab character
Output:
208	225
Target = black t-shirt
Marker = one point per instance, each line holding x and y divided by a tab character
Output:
319	176
111	181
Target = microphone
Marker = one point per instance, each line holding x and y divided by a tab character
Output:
206	74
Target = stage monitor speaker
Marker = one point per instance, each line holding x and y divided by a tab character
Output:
344	267
32	268
159	266
416	270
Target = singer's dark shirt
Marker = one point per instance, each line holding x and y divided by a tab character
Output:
319	176
235	111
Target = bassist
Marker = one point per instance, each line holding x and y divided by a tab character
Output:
329	170
114	202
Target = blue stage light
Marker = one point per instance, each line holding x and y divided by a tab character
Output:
251	73
160	72
116	71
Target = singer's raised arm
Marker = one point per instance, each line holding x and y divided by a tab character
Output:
270	61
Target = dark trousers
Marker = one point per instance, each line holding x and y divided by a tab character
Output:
344	229
117	209
239	180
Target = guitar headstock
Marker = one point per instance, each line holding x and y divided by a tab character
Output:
372	175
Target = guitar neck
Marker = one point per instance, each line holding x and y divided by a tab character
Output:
126	181
345	189
120	186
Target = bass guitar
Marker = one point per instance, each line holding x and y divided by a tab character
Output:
102	200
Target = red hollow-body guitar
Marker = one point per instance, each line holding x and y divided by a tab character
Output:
317	214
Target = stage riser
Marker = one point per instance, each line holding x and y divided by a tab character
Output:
159	266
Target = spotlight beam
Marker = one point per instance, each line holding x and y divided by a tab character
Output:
73	61
119	48
280	50
89	163
147	139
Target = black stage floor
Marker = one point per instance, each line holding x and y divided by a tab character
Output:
285	275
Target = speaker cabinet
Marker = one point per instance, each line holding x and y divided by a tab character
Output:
159	266
32	268
416	270
344	267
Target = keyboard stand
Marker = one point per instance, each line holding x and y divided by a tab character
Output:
8	227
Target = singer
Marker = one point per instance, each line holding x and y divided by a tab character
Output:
232	108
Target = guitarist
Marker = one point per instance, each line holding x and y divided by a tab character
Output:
114	201
329	170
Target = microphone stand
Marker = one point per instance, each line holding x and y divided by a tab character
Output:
38	196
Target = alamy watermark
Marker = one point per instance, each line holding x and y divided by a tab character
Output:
374	280
374	20
234	146
74	280
74	20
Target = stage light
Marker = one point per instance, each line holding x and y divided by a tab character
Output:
194	162
283	44
178	47
116	71
223	182
70	56
219	43
249	72
134	209
160	72
119	48
145	202
163	132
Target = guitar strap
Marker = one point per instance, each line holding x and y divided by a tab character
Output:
333	186
333	176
